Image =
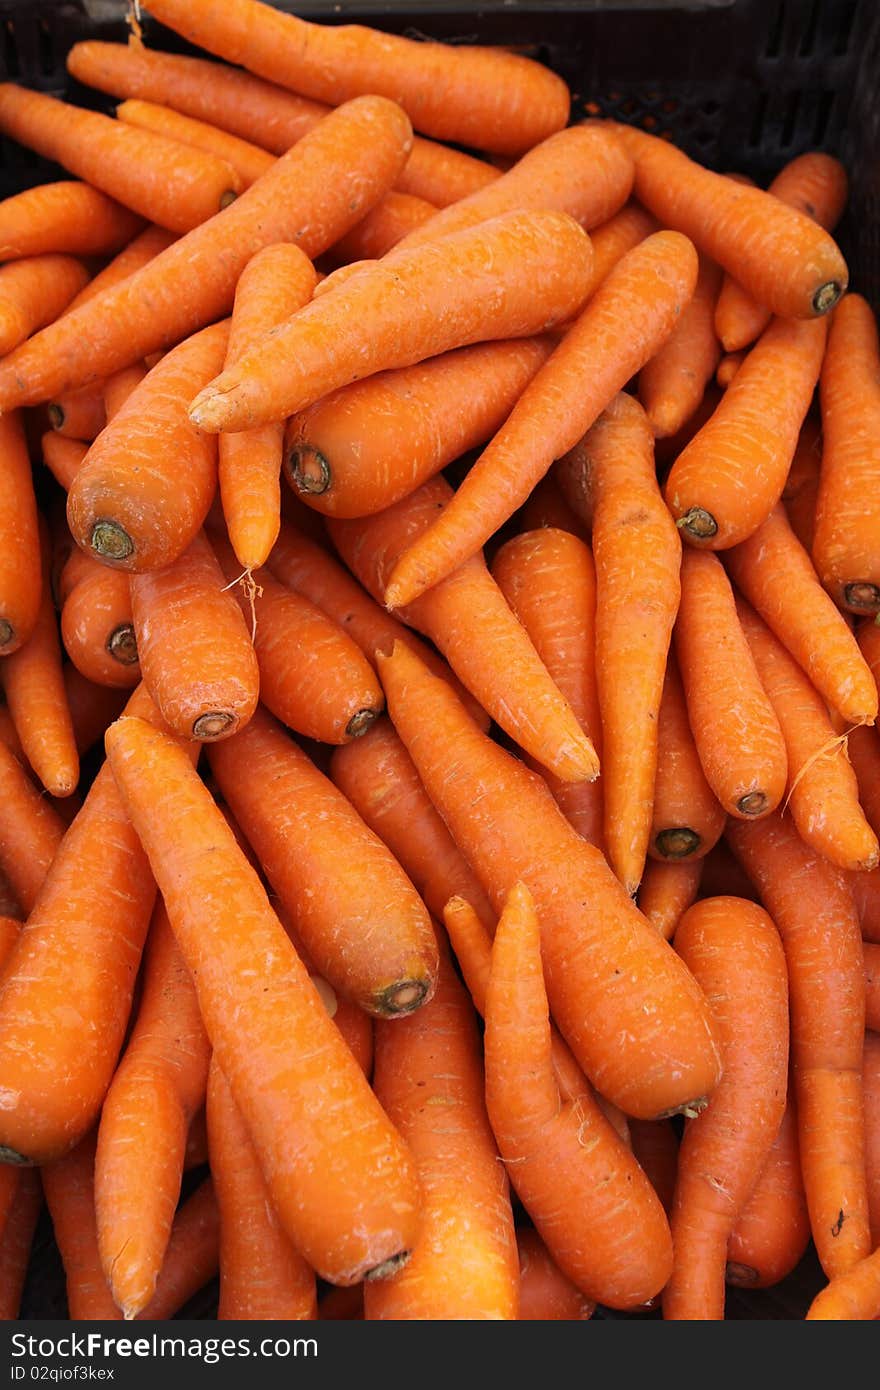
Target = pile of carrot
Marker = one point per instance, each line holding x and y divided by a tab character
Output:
439	648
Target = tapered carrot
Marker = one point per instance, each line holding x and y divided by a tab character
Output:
846	549
667	889
340	1178
549	580
801	490
68	1184
772	1230
158	1086
134	255
262	1276
192	1256
15	1243
727	480
20	571
366	446
823	793
779	254
483	97
672	383
467	617
723	690
377	776
63	457
248	161
851	1296
667	450
545	1293
383	228
67	217
195	651
511	277
33	292
361	920
727	368
687	818
814	184
871	1090
507	825
275	283
311	196
92	707
627	318
429	1078
97	628
353	1022
814	912
734	951
610	1237
78	414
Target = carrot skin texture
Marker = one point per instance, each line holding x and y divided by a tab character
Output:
64	217
35	291
20	575
97	630
248	161
687	818
772	1230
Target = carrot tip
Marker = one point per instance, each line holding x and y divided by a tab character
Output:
388	1267
864	596
110	541
752	804
214	724
827	296
677	842
698	524
56	416
7	632
13	1157
360	722
307	470
403	997
122	645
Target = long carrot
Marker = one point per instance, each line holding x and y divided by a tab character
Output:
15	1243
627	318
814	912
871	1090
158	1086
73	218
365	446
671	385
487	98
248	161
772	1230
511	277
97	629
341	1180
361	920
33	292
467	617
508	826
382	229
687	818
545	1293
667	889
311	196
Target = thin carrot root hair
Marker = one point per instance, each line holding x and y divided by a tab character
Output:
252	591
839	741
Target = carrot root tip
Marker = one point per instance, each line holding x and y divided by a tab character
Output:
56	415
14	1158
752	804
7	632
110	541
677	842
389	1267
827	296
214	724
741	1276
308	470
698	524
122	645
863	596
403	997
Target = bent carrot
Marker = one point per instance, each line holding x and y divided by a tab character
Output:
772	1230
672	383
20	570
248	161
33	292
687	818
387	224
97	629
67	217
15	1243
667	889
627	318
545	1293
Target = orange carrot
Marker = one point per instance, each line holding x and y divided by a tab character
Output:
467	617
92	707
351	1205
192	1255
68	1183
868	636
78	414
863	747
872	986
667	889
871	1088
727	368
772	1230
135	254
487	98
612	239
628	317
655	1145
366	446
846	549
801	490
545	1293
248	161
15	1243
360	918
727	480
507	825
814	912
96	626
63	457
687	818
854	1295
724	693
20	572
72	218
310	196
33	292
275	283
388	223
117	388
508	278
672	383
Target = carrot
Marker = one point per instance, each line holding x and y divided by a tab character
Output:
672	383
853	1295
72	218
145	487
724	693
248	161
63	457
261	1274
628	317
78	414
777	253
15	1243
33	292
507	825
727	480
197	659
666	451
655	1145
846	552
667	889
467	617
801	490
20	573
545	1293
814	912
134	255
487	98
92	707
611	240
192	1255
312	675
388	223
275	283
341	1180
733	949
511	277
97	629
772	1230
871	1089
549	580
728	367
872	986
814	184
429	1078
546	506
823	793
57	1060
310	196
367	445
376	774
360	918
863	747
687	819
68	1184
610	1237
158	1086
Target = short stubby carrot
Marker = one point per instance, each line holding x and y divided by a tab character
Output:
33	292
545	1293
511	277
20	573
671	385
602	964
723	690
846	545
382	229
366	446
687	818
362	921
147	482
67	217
342	1181
734	951
772	1230
97	628
727	480
196	655
248	161
610	1235
625	321
667	889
